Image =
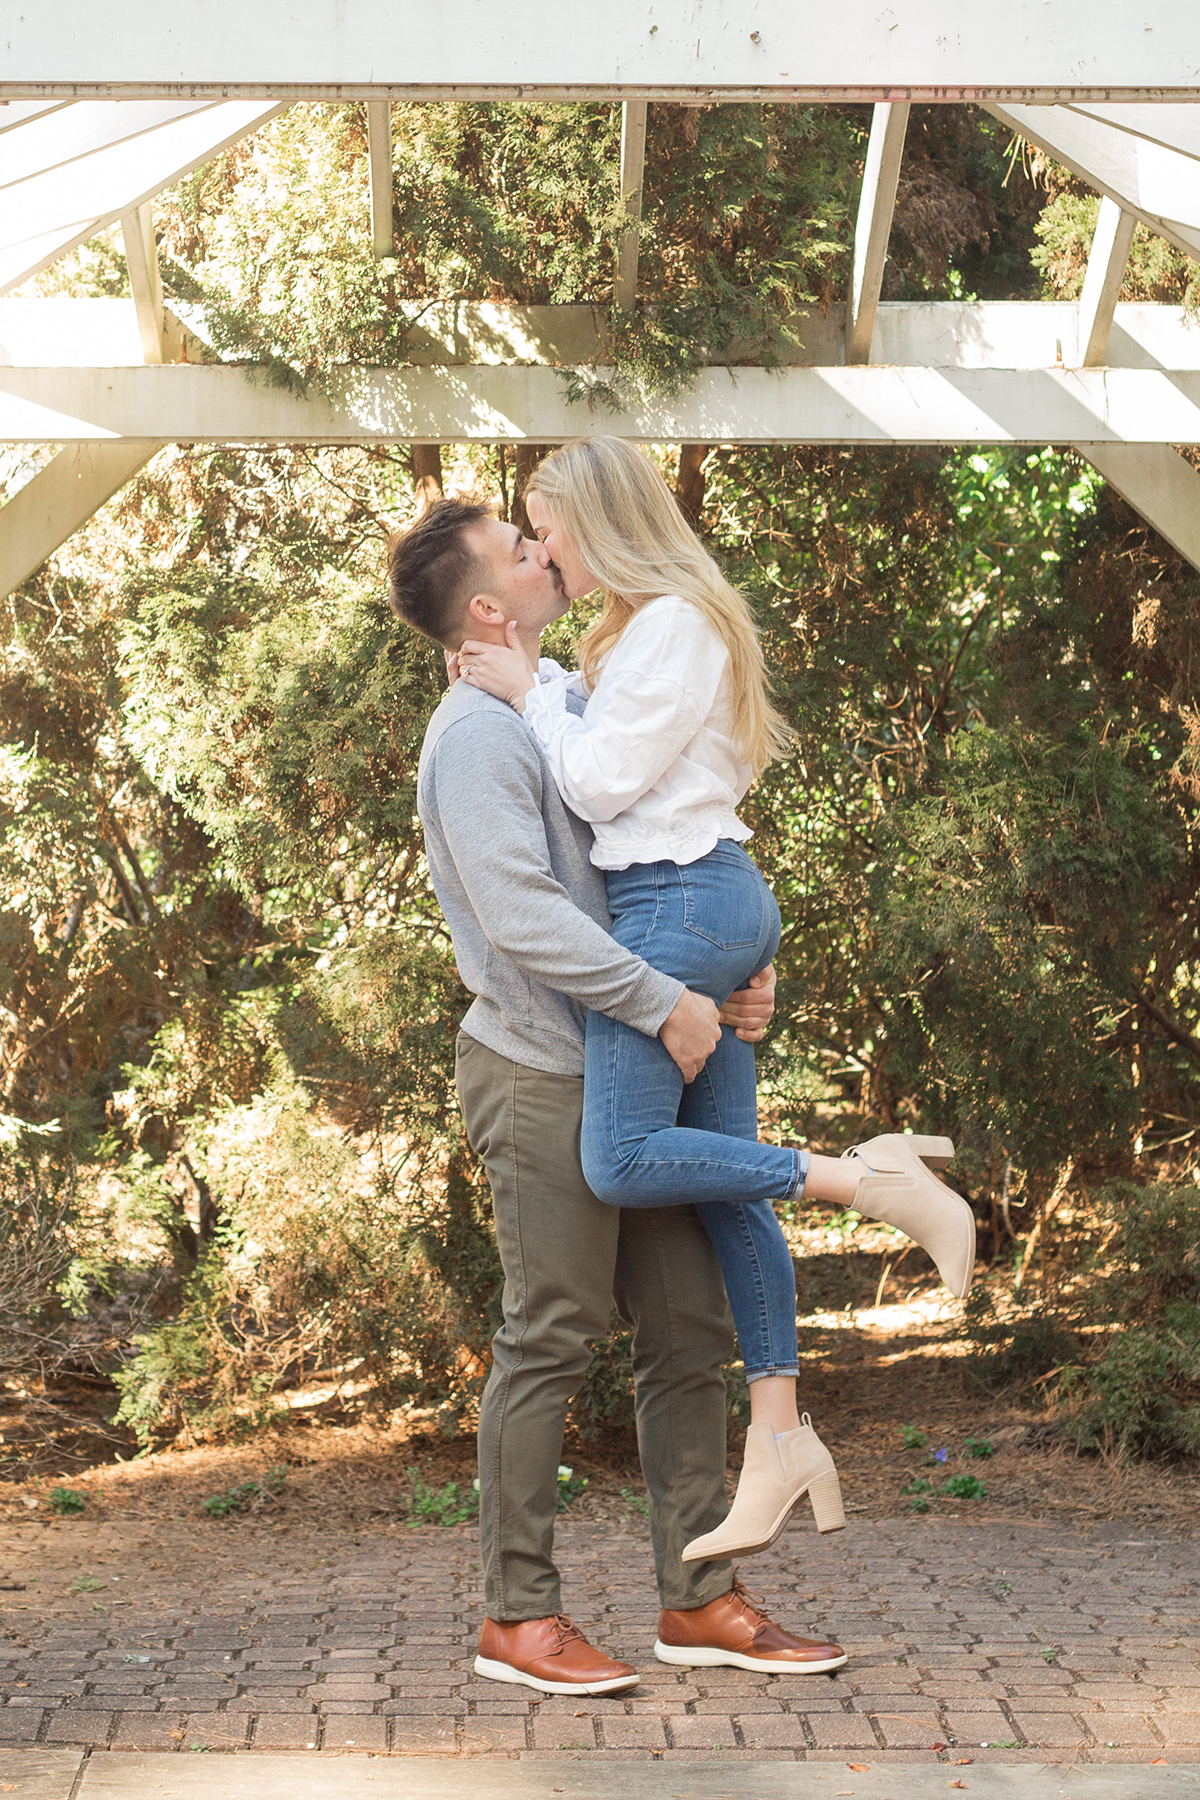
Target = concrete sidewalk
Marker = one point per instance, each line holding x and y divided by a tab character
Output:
970	1644
118	1775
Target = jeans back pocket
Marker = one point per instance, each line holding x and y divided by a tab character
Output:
724	899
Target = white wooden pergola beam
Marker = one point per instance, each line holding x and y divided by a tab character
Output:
145	280
948	334
1176	127
407	49
506	404
59	190
379	156
60	498
876	204
1159	484
633	165
1102	283
1159	186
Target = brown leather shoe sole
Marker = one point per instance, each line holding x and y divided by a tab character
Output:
701	1656
502	1671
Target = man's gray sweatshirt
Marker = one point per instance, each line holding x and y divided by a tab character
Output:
527	910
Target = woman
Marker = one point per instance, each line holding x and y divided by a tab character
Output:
677	724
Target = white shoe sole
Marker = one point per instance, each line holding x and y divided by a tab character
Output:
498	1671
701	1658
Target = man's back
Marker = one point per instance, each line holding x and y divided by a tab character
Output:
527	910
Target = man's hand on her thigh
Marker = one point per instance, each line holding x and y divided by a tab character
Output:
749	1010
691	1032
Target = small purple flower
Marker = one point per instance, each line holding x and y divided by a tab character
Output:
940	1455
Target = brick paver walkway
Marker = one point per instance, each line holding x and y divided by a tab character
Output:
1054	1643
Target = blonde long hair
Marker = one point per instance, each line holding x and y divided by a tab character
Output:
621	517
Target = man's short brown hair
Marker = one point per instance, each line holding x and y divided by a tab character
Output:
433	572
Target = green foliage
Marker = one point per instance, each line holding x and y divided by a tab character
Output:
995	945
66	1500
1135	1387
964	1487
912	1438
449	1505
1014	1353
1155	271
228	997
570	1486
747	215
247	1496
979	1447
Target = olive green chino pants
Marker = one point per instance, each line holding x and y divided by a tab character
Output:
566	1257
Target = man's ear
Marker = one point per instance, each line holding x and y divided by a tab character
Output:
485	609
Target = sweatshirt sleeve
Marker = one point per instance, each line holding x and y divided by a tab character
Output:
488	798
659	685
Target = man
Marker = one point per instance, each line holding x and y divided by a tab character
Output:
528	915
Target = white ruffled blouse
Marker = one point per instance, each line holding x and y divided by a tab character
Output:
651	763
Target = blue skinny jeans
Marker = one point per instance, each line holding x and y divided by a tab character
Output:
649	1140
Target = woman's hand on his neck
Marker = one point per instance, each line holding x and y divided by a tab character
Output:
500	663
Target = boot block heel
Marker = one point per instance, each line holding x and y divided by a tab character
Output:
825	1497
935	1152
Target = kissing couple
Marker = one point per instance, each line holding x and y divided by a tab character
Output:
584	844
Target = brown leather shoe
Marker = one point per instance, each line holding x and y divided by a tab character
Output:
736	1630
550	1654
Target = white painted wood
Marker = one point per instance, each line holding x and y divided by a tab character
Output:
1159	484
876	205
145	280
61	498
633	164
989	334
904	50
379	149
19	112
1031	334
47	214
1102	283
81	334
1175	126
73	132
873	405
1159	186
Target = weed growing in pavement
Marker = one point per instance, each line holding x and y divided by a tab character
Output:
639	1502
86	1584
247	1496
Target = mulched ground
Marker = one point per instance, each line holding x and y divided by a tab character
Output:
866	1375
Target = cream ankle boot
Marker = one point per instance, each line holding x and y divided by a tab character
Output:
897	1188
776	1473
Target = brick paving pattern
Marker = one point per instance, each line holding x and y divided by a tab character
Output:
996	1642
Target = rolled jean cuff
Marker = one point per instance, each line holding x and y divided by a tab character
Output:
753	1375
800	1177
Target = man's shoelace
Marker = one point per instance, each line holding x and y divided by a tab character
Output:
750	1602
568	1631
